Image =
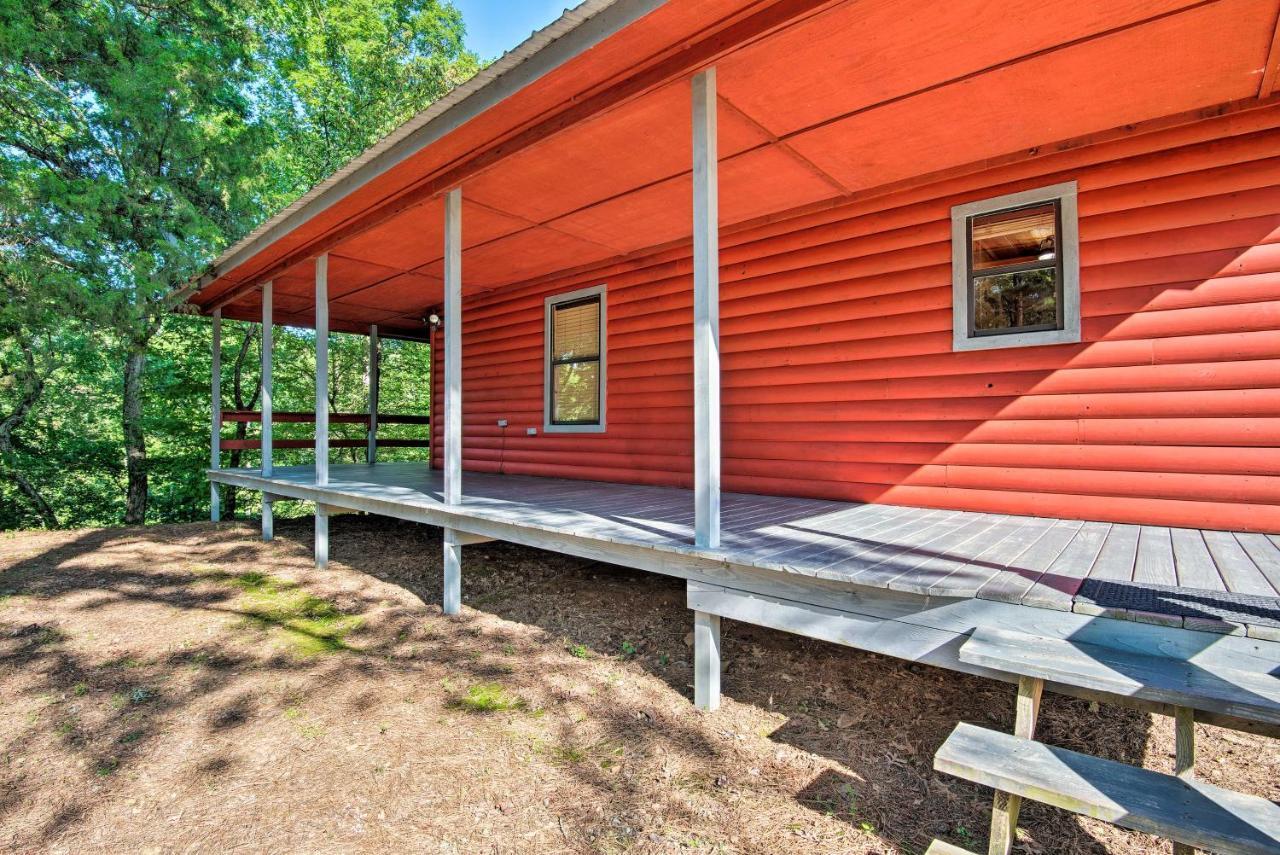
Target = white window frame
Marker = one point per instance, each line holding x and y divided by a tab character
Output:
548	386
1068	246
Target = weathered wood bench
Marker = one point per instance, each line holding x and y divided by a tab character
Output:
1181	809
1191	813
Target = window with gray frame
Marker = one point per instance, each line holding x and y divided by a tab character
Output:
1016	270
575	361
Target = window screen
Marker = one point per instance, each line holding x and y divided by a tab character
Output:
575	361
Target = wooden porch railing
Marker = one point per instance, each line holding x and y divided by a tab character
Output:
334	418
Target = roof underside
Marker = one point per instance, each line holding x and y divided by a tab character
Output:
590	162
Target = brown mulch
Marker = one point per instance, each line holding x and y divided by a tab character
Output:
169	689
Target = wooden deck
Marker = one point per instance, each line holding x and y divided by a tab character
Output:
1211	580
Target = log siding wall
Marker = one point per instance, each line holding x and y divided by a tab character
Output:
839	380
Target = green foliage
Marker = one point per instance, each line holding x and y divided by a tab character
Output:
486	698
308	625
136	142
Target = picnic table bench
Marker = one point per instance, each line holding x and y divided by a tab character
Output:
1193	814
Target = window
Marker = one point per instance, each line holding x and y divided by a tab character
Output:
575	376
1016	270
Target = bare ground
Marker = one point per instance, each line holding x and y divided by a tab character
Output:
188	688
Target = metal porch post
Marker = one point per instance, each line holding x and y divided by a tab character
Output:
215	412
322	405
375	377
452	393
706	314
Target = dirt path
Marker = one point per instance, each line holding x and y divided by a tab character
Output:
190	689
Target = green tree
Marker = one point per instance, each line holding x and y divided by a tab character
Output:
136	141
127	128
337	75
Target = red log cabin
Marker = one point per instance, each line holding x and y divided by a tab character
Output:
882	322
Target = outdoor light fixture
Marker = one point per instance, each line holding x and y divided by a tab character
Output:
433	319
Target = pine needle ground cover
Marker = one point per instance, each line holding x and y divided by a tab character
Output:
189	688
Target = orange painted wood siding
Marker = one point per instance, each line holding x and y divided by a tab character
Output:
838	376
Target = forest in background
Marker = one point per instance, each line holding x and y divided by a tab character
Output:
138	140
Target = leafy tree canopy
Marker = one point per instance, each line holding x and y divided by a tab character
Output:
138	139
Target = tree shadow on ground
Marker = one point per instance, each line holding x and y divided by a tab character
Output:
877	717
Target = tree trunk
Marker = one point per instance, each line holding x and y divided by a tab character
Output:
135	443
33	388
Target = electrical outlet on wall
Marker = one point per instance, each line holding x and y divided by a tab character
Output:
531	431
502	422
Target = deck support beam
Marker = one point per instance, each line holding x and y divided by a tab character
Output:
215	412
1184	764
706	314
375	378
268	343
1005	809
706	661
322	535
451	601
268	518
453	347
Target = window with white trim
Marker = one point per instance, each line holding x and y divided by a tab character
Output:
575	361
1015	264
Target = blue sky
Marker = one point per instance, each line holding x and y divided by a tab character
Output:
495	26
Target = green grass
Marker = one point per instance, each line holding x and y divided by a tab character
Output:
487	698
307	624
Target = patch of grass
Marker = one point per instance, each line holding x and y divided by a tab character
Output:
309	625
80	689
131	736
578	651
487	698
628	649
311	731
106	767
965	836
568	753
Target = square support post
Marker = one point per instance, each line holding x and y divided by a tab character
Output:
268	343
453	347
322	370
706	661
268	518
452	598
706	314
1184	735
1005	809
215	412
322	535
375	375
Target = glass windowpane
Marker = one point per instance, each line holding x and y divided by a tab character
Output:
575	332
576	392
1009	301
1021	236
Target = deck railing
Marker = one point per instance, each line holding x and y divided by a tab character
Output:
334	418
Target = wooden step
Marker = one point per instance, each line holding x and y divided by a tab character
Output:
942	847
1187	811
1129	673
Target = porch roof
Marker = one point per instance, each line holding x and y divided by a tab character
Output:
574	151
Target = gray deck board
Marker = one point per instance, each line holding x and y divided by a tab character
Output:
939	553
